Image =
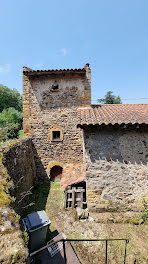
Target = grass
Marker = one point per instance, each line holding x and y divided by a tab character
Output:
138	243
48	196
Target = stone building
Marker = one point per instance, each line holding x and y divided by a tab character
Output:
104	145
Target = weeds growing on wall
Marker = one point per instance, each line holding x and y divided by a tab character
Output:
144	215
5	185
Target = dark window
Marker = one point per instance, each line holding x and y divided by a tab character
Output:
56	135
55	87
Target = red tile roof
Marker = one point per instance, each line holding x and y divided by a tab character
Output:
28	71
113	114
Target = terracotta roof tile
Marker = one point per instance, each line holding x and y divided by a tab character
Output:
113	114
29	71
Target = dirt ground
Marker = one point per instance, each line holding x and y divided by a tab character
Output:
98	226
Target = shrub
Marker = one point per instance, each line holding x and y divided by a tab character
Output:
10	123
3	134
10	115
145	215
12	130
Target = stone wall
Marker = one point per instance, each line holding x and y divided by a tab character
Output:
116	168
18	159
17	173
44	109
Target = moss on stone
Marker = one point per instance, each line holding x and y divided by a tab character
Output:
4	198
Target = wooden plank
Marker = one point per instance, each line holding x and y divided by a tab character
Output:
76	190
76	199
69	191
73	197
69	204
65	205
69	199
81	197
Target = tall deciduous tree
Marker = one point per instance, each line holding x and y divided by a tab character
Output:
10	98
110	99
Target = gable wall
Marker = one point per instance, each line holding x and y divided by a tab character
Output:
44	109
116	168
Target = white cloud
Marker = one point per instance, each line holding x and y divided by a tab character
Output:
5	68
64	51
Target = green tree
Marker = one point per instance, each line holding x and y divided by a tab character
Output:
10	115
10	98
110	99
10	123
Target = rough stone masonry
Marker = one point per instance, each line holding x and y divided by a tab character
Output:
116	168
50	102
105	145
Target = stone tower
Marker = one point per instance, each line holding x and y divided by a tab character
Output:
50	102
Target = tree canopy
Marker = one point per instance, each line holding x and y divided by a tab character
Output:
10	98
11	115
110	99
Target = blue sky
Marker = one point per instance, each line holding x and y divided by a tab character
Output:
112	35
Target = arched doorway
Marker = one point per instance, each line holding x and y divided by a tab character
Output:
56	173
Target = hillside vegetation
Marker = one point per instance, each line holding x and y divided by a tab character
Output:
11	115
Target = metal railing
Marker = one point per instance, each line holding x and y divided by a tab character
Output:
85	240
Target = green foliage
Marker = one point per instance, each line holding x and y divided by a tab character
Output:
3	134
6	142
10	115
145	215
110	99
21	133
144	201
25	235
4	198
13	130
145	206
10	98
10	123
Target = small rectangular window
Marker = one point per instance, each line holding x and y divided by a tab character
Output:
56	135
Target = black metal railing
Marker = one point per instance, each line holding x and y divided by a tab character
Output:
85	240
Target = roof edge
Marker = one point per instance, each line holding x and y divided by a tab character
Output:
31	72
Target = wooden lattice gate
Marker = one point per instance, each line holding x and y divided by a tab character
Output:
75	196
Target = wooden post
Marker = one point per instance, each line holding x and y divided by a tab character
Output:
73	197
65	202
81	196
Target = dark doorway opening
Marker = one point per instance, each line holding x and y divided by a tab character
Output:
56	173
